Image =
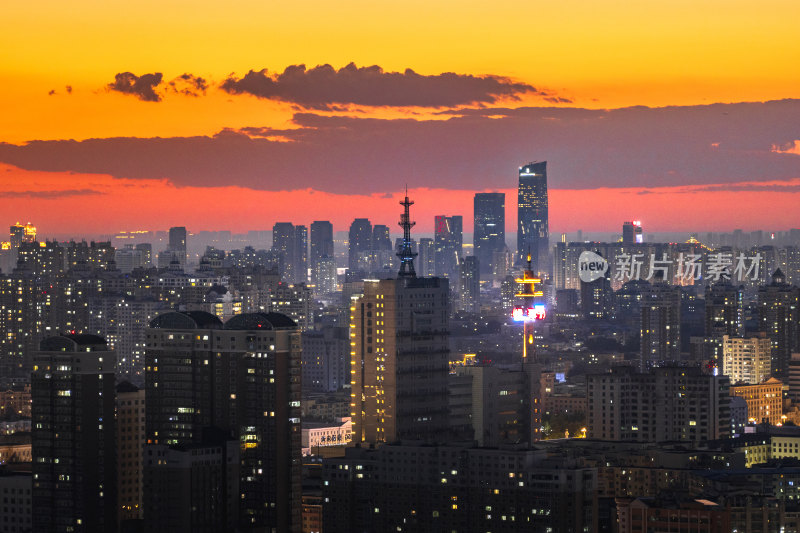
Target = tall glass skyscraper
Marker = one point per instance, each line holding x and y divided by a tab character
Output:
490	227
533	227
448	242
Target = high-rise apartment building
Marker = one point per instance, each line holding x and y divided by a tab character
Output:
241	381
74	435
469	285
724	309
779	318
130	441
746	360
448	241
490	228
660	324
668	403
533	231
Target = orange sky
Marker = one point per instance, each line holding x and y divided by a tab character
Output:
597	54
130	202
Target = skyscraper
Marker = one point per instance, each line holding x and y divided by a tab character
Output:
399	354
300	254
533	230
240	380
177	244
632	232
74	435
321	243
360	240
284	243
469	285
427	258
490	227
448	240
380	237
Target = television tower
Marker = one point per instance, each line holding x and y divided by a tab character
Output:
528	311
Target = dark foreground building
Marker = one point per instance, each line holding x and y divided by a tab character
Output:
223	423
73	435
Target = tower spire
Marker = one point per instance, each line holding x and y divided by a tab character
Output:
405	254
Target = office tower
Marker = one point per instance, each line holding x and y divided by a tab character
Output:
764	400
321	240
326	360
399	354
360	240
746	360
632	232
668	403
533	231
426	265
73	435
326	276
660	324
380	237
147	253
449	241
724	309
597	298
469	285
177	244
15	486
284	243
300	254
490	227
779	318
232	392
130	441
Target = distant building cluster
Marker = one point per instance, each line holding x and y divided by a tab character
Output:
306	380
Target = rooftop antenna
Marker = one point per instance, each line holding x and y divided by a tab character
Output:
406	254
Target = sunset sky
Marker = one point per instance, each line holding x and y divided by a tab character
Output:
235	115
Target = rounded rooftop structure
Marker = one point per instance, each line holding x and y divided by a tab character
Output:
248	321
186	320
72	342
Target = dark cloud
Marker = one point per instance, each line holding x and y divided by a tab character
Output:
48	194
473	149
189	85
323	86
143	87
